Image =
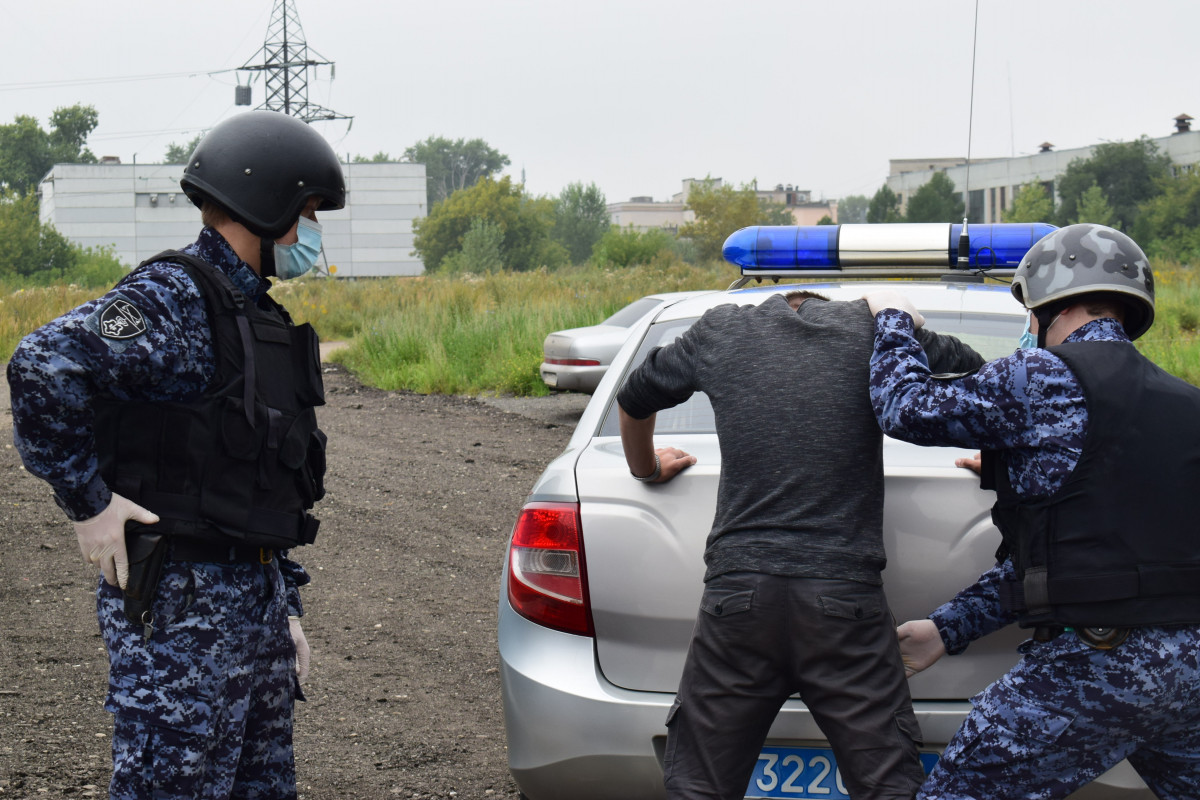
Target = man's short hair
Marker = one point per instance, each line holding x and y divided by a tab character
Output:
1103	304
212	215
797	296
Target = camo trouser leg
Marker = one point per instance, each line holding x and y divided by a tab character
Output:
203	707
1067	712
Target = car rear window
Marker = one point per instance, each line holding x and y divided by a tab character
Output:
991	335
632	312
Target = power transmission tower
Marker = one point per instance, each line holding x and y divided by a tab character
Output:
285	61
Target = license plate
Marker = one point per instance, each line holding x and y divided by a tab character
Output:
550	379
804	772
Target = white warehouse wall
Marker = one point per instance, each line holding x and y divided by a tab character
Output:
139	210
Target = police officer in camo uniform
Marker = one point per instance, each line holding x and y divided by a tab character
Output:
1094	454
174	419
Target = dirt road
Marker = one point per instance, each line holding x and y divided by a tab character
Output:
404	695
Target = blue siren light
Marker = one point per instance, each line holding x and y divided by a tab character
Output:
934	244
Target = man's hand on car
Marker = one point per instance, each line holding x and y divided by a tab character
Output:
889	298
920	645
102	538
973	463
673	461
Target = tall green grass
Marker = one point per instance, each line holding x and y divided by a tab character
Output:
473	335
1174	341
483	334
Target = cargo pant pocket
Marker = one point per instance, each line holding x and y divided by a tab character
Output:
161	741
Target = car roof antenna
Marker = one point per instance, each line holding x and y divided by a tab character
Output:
964	239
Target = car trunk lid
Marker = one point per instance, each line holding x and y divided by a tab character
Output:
644	547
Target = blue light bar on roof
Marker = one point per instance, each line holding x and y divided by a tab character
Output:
900	245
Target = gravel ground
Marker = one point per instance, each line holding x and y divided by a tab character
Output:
404	695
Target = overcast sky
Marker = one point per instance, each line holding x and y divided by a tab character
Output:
633	95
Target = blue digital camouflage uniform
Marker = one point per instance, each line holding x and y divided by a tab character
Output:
203	705
1066	712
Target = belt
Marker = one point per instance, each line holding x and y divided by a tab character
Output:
216	553
1099	638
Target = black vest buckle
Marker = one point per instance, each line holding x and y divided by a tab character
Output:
1044	633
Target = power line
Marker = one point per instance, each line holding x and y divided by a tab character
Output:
12	87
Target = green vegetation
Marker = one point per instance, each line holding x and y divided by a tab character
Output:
884	206
27	152
721	210
451	166
1032	204
936	201
471	335
525	224
479	334
1174	341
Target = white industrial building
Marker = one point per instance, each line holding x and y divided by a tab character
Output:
139	210
644	214
992	184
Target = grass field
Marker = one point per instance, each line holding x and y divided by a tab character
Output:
472	335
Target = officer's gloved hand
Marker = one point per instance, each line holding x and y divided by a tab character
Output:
890	298
920	645
303	653
102	538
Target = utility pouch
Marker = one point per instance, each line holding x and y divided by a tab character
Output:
146	551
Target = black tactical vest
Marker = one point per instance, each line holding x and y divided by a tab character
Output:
244	461
1118	545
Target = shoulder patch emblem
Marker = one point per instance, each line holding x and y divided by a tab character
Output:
121	319
118	323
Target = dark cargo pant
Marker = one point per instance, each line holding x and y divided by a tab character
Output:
203	708
761	638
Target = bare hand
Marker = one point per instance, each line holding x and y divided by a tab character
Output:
673	461
920	645
973	463
890	298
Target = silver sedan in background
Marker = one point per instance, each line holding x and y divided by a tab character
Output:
576	359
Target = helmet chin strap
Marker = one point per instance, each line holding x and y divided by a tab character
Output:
266	257
1047	316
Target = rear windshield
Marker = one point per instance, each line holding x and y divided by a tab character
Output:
632	312
991	335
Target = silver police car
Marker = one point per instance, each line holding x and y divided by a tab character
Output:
604	575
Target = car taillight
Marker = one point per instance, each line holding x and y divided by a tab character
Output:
573	362
547	581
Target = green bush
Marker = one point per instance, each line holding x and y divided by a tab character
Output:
624	247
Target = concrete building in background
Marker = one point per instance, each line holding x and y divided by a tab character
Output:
643	213
995	182
139	210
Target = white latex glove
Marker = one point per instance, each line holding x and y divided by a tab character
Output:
102	538
303	653
920	645
890	298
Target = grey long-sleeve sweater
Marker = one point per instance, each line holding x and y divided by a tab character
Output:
801	490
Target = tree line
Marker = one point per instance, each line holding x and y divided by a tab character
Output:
1130	186
478	221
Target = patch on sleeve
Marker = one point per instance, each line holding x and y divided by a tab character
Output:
118	322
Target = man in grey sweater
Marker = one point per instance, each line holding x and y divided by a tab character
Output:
793	600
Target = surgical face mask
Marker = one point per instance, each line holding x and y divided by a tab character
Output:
1027	340
293	260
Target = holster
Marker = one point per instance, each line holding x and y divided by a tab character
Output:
147	551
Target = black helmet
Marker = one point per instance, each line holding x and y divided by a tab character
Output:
261	167
1085	258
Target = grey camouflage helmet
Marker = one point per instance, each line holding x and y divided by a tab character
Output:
1085	258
